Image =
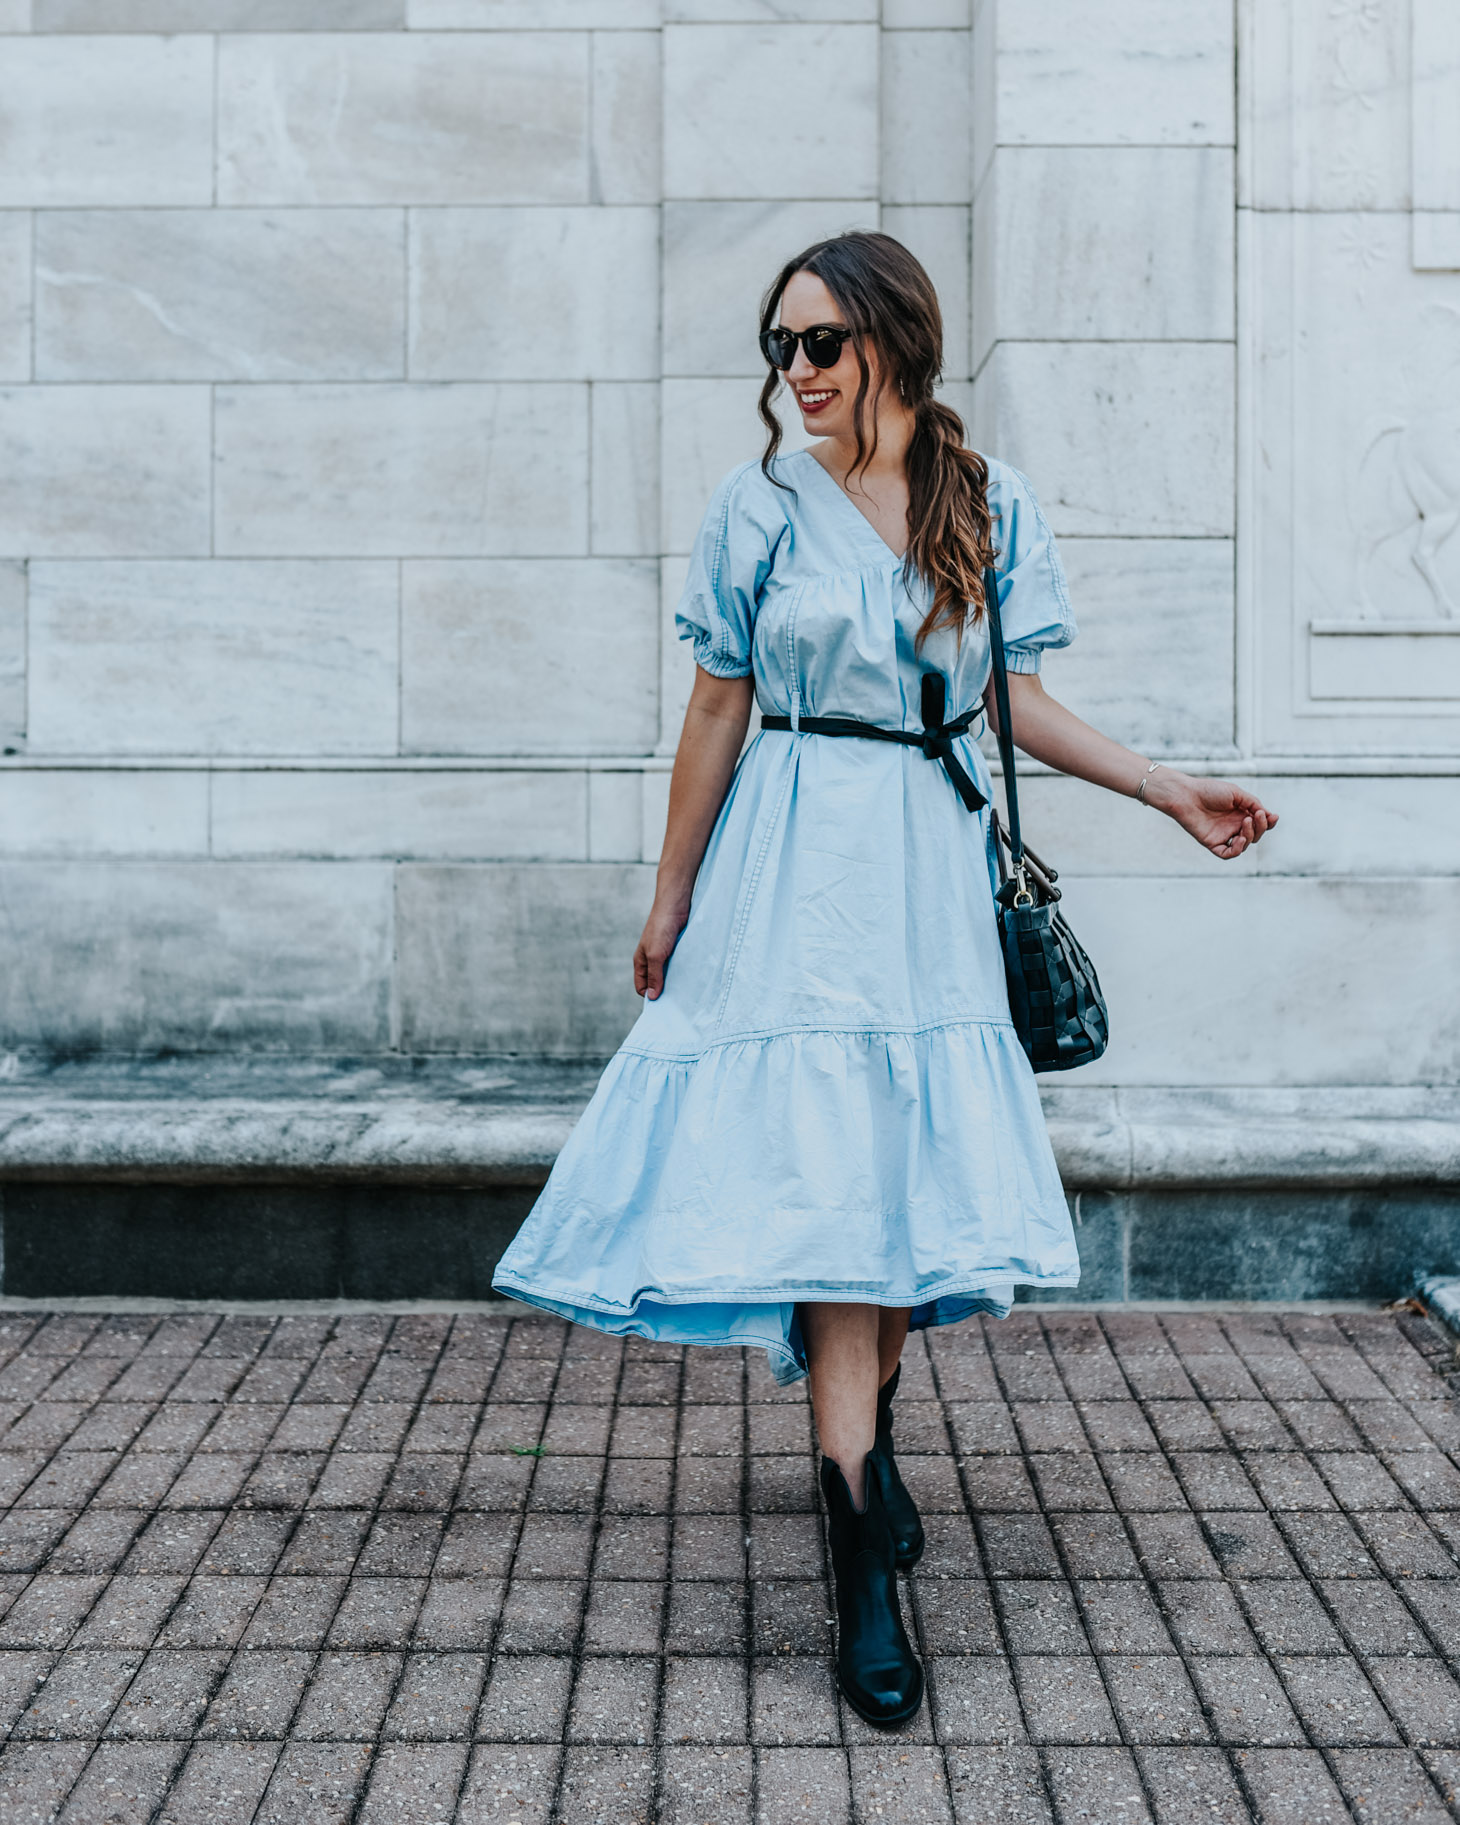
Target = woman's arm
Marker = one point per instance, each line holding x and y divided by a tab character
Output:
709	746
1222	817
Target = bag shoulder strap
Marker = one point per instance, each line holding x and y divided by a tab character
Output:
1001	701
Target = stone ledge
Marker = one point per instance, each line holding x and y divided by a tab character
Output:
501	1121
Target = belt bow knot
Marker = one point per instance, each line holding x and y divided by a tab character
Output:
936	740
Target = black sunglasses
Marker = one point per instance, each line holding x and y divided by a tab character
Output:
823	345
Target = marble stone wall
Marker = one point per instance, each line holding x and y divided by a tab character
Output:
365	366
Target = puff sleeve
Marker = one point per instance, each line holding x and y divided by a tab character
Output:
1034	599
731	560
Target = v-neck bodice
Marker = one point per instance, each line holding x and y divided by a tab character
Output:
898	557
792	582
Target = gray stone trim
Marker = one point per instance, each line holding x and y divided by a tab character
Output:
485	1121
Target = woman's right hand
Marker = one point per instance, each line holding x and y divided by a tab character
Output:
660	935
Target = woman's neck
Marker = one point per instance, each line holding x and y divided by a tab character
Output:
895	424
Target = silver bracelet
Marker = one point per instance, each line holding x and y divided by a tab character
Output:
1141	786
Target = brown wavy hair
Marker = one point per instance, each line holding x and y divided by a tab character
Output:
888	301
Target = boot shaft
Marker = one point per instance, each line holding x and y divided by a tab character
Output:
852	1533
885	1395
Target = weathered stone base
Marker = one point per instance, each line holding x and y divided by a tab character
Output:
256	1241
261	1177
321	1241
1226	1243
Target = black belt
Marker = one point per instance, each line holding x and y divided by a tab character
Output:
936	740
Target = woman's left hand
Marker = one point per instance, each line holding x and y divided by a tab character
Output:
1221	816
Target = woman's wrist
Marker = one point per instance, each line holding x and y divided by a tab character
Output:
1161	787
672	891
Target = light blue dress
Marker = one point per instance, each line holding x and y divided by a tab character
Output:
828	1100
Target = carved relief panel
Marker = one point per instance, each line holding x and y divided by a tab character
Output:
1349	509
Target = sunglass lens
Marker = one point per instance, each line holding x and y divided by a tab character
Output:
823	348
778	348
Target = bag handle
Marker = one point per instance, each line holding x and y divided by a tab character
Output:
1001	701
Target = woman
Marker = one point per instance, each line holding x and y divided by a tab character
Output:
822	1129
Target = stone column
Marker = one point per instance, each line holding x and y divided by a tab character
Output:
1103	338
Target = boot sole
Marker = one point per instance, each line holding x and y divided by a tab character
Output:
888	1721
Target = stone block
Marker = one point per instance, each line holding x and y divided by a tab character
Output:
80	813
15	295
529	15
623	489
1285	1245
501	958
1106	243
926	143
1434	64
939	236
217	15
736	123
656	812
402	470
97	472
958	394
754	12
12	656
986	276
140	1771
615	817
529	657
107	121
708	426
1327	107
1140	72
1152	664
1173	1024
531	816
535	294
215	656
237	294
676	681
422	118
1409	663
718	259
198	955
625	131
984	89
913	15
1118	438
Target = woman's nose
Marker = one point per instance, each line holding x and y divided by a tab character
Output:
801	370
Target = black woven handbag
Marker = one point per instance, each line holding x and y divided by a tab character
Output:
1054	993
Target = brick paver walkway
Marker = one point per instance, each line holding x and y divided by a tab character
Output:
1180	1567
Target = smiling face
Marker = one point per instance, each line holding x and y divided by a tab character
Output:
826	396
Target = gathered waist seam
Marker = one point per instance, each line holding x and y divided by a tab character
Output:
759	1035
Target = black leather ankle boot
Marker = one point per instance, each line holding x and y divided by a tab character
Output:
876	1667
902	1510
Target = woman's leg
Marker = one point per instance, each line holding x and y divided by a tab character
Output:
876	1666
842	1353
891	1336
